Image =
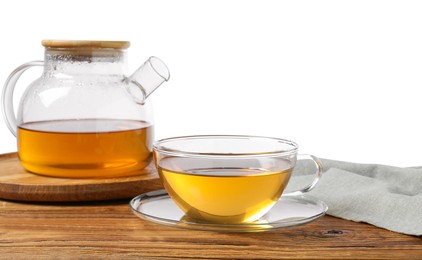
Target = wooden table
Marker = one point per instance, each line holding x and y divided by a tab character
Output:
110	230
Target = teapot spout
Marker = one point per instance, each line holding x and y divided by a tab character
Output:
147	78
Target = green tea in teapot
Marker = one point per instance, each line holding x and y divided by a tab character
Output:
85	148
85	116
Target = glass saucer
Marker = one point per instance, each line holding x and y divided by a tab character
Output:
289	211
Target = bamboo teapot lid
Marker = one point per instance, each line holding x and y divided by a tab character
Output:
85	44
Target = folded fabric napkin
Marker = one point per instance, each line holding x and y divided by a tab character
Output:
385	196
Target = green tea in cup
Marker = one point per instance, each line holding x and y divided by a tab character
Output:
226	179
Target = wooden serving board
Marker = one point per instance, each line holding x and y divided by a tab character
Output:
18	184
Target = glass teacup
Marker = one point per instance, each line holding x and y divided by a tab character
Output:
227	178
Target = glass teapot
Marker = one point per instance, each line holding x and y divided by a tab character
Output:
84	117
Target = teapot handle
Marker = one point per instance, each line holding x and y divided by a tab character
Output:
7	94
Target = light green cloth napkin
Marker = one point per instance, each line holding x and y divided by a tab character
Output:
384	196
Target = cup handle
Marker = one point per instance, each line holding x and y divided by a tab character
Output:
317	175
7	94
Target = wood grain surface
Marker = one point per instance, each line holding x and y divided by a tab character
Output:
18	184
109	230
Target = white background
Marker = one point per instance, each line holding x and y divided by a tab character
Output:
341	78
